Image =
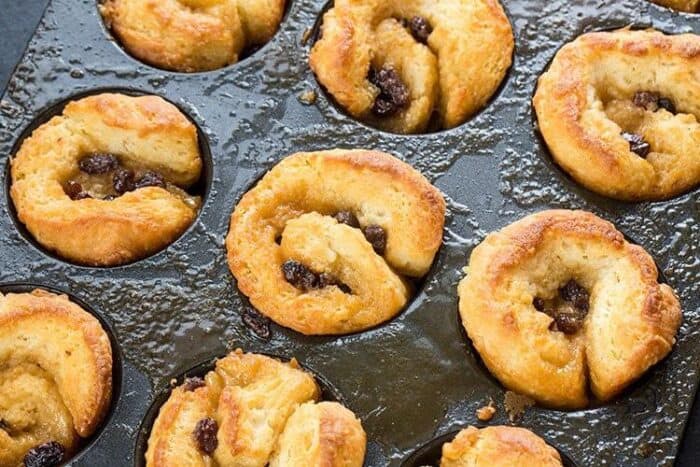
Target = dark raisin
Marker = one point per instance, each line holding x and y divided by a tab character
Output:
110	198
299	275
48	454
150	178
376	236
667	104
193	383
646	100
538	303
205	435
73	189
123	181
98	164
347	218
575	294
82	195
327	280
568	323
637	144
257	323
383	107
393	93
420	29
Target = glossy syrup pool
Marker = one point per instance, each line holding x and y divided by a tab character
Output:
415	377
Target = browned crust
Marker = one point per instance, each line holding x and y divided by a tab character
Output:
562	97
148	114
253	230
29	307
498	445
342	439
492	268
688	6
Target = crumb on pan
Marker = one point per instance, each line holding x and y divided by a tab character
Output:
308	97
486	412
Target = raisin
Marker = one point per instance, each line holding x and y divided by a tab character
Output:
646	100
257	323
193	383
97	164
123	181
376	236
420	29
567	323
393	93
327	280
347	218
150	178
48	454
299	275
538	303
637	144
205	435
667	104
575	294
73	189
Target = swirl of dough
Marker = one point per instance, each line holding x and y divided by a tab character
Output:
192	35
351	225
444	55
559	301
55	374
131	159
619	111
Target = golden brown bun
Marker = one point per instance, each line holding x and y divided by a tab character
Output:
144	132
55	373
296	200
465	59
192	35
690	6
321	435
498	446
631	323
594	79
251	397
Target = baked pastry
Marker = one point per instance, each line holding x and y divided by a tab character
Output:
560	300
192	35
619	111
55	377
350	226
104	183
393	63
498	446
252	410
690	6
324	434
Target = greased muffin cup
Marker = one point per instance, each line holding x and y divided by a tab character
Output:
415	376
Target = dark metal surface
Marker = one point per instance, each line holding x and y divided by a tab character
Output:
415	377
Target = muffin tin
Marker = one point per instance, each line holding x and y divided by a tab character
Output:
415	378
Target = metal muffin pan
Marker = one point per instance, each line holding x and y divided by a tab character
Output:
416	377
